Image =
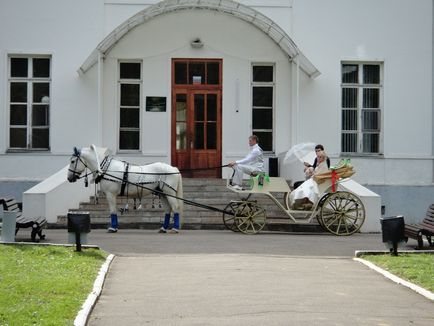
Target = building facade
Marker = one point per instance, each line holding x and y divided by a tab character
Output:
187	81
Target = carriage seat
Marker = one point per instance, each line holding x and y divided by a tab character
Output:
425	228
37	224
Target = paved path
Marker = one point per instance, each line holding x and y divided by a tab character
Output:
224	278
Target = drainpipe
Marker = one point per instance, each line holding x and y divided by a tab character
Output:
100	99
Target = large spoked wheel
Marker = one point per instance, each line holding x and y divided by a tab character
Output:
342	213
250	218
229	215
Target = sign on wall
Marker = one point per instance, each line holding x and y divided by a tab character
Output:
155	104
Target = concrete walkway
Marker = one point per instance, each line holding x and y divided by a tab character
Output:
225	278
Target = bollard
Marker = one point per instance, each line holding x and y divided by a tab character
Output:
78	227
8	226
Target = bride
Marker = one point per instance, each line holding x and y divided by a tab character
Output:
307	193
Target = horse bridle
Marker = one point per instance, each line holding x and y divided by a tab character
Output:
74	171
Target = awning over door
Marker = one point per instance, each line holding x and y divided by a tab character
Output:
228	7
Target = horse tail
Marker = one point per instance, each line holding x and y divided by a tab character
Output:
180	194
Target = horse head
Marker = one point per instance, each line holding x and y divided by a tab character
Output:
76	166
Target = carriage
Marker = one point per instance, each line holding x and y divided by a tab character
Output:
338	211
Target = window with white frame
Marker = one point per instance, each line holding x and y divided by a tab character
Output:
129	105
361	108
29	102
263	104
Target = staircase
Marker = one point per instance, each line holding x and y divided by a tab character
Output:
211	192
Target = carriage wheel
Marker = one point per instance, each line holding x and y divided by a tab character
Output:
229	217
250	217
342	213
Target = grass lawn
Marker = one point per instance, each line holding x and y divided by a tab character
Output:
45	285
416	268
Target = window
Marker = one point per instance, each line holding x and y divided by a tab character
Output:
262	104
29	102
361	108
129	105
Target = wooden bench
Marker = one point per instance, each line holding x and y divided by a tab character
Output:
425	228
37	224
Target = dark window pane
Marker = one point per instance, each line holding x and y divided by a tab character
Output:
349	143
130	94
198	136
371	74
18	92
130	70
40	138
180	73
18	115
18	137
211	107
41	68
40	115
370	120
213	73
129	139
181	107
371	98
181	135
263	96
350	74
349	97
196	70
129	118
349	120
371	143
199	102
265	140
41	90
262	119
211	135
262	73
19	67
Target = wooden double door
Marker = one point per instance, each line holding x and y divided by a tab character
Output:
196	117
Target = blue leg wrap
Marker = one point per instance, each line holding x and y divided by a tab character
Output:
176	221
166	221
114	221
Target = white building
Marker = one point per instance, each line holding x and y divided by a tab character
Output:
187	81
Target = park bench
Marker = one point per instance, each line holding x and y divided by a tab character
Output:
37	224
425	228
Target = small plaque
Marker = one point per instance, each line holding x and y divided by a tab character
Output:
155	104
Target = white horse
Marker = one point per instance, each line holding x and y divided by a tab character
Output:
121	178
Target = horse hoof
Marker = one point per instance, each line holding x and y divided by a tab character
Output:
112	230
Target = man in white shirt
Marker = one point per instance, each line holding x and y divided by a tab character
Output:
253	162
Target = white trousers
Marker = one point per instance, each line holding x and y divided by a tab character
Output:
239	171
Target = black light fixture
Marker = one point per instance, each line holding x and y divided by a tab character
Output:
196	43
78	223
393	232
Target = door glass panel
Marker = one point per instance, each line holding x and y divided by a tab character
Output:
212	69
130	94
181	135
199	100
40	115
196	69
181	107
129	118
129	139
262	119
211	135
263	96
262	73
180	73
40	138
211	107
198	136
40	90
266	138
129	70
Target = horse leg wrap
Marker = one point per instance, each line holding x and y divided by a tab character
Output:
176	221
114	221
166	221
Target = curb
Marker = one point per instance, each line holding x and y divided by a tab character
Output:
427	294
86	308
